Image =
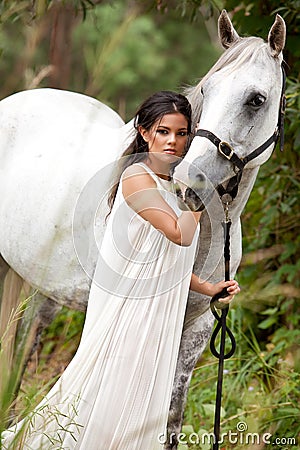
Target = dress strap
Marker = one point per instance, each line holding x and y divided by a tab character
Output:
151	173
159	181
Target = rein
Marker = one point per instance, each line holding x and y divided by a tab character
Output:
221	326
227	195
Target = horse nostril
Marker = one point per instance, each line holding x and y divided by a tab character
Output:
178	191
200	194
200	183
192	200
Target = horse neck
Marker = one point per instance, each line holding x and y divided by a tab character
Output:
245	188
209	259
128	133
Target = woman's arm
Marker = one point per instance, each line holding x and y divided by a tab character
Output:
210	289
141	193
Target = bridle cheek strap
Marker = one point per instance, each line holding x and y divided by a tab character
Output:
226	151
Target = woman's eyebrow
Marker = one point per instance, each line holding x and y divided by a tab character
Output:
168	128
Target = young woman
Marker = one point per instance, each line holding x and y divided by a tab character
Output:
115	393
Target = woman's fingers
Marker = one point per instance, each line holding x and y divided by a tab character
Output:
226	300
233	289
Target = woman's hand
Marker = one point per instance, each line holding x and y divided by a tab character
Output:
232	288
142	195
207	288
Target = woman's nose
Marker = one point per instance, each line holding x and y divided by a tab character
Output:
172	137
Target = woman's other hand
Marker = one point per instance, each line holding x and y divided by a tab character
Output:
232	287
210	289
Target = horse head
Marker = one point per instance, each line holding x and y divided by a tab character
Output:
236	108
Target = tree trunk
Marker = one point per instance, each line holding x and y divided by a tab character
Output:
62	19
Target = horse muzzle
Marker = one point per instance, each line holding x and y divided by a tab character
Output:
195	197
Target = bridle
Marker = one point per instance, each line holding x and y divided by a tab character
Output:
227	195
226	150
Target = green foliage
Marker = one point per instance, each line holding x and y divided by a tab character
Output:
121	66
14	10
260	386
119	54
63	330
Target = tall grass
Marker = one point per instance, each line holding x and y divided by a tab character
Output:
32	387
11	373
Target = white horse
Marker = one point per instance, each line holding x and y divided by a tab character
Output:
241	104
57	162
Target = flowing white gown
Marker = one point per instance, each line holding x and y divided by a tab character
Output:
115	393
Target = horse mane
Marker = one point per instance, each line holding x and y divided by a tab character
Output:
244	51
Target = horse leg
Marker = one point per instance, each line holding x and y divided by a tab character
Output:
3	270
10	315
37	316
4	310
11	286
36	313
196	333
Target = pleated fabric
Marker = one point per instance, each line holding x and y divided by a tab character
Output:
115	393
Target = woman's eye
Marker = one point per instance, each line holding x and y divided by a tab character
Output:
165	132
257	101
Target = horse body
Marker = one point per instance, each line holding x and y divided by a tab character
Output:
50	149
50	172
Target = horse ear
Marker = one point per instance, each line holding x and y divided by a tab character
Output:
227	33
276	38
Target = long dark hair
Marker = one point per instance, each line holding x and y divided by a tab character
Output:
150	111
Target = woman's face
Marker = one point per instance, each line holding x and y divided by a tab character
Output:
167	137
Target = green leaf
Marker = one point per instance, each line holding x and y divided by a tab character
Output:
209	409
188	430
269	311
267	323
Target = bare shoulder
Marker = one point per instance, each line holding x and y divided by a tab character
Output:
136	178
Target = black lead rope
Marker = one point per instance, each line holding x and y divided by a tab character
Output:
227	195
221	326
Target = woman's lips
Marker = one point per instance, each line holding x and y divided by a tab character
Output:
170	151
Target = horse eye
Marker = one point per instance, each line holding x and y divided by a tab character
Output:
202	92
257	100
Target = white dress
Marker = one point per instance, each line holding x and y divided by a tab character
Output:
115	393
